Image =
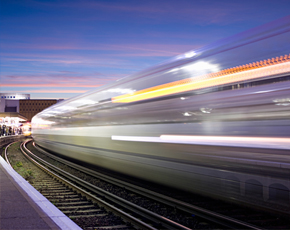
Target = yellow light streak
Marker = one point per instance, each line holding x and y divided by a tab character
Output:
242	73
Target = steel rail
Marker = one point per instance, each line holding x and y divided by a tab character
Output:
189	208
6	153
81	185
118	212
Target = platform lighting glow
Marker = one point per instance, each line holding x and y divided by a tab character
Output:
8	120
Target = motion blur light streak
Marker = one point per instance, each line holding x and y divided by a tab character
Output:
249	142
201	67
252	142
283	101
187	55
231	139
60	49
243	73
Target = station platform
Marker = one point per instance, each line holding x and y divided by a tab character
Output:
23	207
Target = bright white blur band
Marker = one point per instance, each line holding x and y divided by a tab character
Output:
250	142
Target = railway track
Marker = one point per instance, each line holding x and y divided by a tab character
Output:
85	209
119	207
177	214
107	204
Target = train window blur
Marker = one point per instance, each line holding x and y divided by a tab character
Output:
177	110
212	102
254	83
190	124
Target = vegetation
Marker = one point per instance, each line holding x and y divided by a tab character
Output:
19	164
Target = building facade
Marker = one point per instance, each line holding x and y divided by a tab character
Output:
9	102
22	104
29	108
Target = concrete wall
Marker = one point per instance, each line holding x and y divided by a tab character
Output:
12	103
2	105
8	103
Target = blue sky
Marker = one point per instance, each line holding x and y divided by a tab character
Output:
59	49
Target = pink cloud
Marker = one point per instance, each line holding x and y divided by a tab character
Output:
62	60
157	49
50	85
55	91
60	78
110	59
56	80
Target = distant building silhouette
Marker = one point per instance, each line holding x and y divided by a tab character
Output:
23	105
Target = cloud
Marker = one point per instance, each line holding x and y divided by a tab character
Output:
55	91
159	49
112	56
36	60
56	81
32	85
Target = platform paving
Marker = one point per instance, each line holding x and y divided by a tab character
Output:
23	207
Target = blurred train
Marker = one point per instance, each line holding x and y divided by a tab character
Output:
26	129
214	120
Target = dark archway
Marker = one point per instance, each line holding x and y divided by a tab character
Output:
254	188
232	186
278	192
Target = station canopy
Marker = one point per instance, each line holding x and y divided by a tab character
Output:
11	118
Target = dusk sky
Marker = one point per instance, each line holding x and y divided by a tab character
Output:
59	49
